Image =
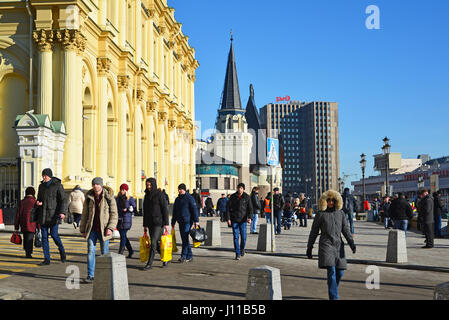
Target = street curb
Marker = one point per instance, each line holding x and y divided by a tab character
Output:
11	296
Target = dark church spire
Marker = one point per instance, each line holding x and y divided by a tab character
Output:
231	93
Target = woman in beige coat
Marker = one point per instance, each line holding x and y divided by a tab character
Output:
76	201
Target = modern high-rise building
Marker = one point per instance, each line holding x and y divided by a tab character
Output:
308	134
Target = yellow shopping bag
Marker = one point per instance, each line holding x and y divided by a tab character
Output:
166	247
173	235
196	244
145	248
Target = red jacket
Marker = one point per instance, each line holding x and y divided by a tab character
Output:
23	215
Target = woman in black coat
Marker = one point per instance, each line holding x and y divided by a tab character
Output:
331	221
155	215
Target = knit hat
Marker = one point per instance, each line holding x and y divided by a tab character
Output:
182	186
98	181
124	187
47	172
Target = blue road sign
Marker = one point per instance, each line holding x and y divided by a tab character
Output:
272	152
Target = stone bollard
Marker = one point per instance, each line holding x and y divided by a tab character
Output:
264	283
264	239
213	233
111	278
397	247
441	291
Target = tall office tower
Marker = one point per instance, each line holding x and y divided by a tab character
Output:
308	134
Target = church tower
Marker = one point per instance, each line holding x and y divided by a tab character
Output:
232	141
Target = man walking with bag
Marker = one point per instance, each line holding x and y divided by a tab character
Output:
239	212
185	213
52	203
98	222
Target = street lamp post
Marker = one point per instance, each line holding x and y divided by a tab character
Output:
386	151
363	166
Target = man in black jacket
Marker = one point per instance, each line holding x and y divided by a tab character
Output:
239	212
437	210
155	217
278	206
425	216
52	203
349	207
400	212
196	196
257	207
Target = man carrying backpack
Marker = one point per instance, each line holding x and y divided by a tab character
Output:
349	205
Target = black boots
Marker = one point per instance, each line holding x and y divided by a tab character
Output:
45	263
63	257
130	254
121	250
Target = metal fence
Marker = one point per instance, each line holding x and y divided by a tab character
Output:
9	184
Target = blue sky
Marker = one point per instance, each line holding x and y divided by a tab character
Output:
390	82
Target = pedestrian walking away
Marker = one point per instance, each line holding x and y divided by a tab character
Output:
75	203
438	207
185	213
257	209
196	195
331	221
209	204
239	214
23	220
425	216
98	222
278	205
349	207
375	206
126	206
301	206
267	207
400	212
221	207
155	218
52	207
385	211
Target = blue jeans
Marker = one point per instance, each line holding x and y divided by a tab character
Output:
334	276
91	248
401	225
437	225
350	218
376	215
236	229
268	217
186	252
254	222
278	221
387	222
124	241
303	217
54	234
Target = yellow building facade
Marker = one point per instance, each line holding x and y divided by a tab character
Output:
119	74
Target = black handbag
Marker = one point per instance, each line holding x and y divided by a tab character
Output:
198	234
38	238
69	218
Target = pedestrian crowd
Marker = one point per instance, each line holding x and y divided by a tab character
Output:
98	213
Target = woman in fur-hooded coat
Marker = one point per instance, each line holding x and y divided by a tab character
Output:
331	221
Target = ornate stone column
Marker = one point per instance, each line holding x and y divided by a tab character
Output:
103	67
73	43
161	174
151	110
44	40
173	161
122	155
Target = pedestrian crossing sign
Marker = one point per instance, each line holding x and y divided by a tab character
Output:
272	152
